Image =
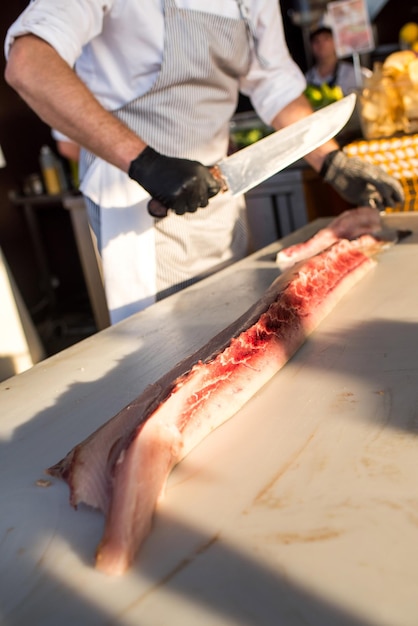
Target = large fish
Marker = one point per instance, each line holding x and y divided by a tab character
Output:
123	467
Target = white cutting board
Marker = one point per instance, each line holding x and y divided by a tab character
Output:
301	510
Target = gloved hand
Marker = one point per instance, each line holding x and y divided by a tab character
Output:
361	183
178	184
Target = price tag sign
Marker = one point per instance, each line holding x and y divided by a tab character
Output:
350	23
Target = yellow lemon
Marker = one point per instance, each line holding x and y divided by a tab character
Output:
254	135
409	32
313	93
337	92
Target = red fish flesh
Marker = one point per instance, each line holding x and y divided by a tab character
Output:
348	225
123	467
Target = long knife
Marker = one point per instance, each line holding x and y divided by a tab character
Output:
250	166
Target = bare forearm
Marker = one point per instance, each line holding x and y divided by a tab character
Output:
52	89
293	112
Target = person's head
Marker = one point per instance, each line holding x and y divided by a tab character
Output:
322	43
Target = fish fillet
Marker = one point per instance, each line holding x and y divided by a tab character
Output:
123	467
348	225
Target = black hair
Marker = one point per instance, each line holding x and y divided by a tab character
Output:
318	31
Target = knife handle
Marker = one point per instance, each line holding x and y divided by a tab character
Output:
158	210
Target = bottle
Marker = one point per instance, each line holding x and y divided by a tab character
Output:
63	180
50	172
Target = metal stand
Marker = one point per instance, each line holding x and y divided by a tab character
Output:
87	250
357	70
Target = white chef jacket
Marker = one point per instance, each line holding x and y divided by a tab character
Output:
123	63
119	64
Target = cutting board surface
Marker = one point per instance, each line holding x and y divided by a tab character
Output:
302	509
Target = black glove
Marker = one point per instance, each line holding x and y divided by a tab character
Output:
361	183
178	184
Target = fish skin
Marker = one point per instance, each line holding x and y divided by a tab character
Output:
156	431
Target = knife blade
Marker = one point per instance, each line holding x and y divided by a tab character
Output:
250	166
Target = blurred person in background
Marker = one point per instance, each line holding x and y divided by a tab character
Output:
327	68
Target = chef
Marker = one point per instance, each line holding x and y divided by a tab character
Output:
148	90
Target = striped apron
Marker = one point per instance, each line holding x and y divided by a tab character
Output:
185	114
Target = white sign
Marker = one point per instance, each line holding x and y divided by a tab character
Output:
350	23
